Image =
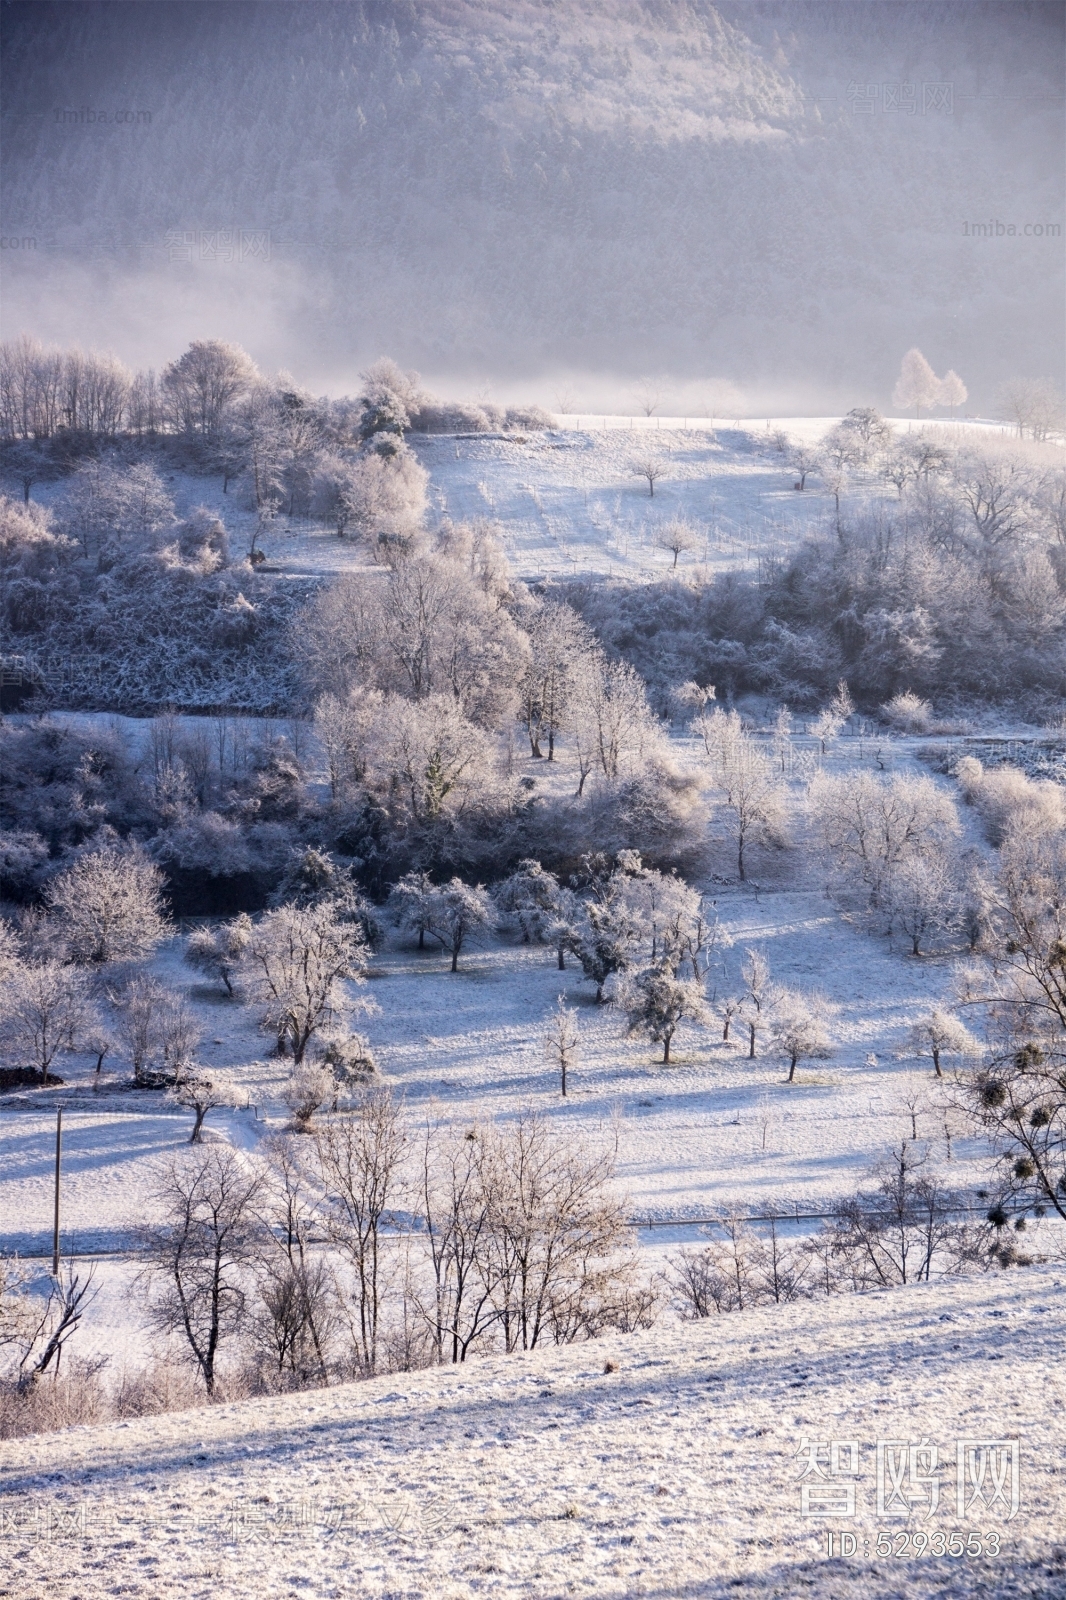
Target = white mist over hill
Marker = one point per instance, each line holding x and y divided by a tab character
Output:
765	198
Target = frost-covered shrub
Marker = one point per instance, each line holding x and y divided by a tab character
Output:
311	1086
350	1059
909	713
1009	802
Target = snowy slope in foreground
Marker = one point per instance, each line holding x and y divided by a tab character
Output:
544	1475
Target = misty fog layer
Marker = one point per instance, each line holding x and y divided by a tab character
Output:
776	197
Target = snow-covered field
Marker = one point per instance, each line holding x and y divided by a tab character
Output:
572	501
675	1477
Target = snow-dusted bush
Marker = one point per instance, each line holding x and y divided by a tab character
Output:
909	713
311	1086
1011	802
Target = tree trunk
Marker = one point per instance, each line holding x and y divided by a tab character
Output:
740	858
455	959
196	1136
421	938
562	1065
666	1050
562	959
725	1031
751	1041
792	1070
936	1061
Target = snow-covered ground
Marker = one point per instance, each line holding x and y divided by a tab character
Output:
572	501
677	1476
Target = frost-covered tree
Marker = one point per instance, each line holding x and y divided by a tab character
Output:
607	934
46	1010
953	392
867	824
295	963
656	1002
410	901
457	914
868	428
202	383
651	469
802	459
920	895
917	384
798	1026
313	1084
202	1092
613	723
109	906
336	493
676	536
389	399
940	1034
559	646
755	1002
753	809
219	951
562	1042
156	1030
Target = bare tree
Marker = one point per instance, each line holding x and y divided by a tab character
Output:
197	1258
361	1157
648	393
40	1333
460	1307
296	1316
676	535
651	469
562	1042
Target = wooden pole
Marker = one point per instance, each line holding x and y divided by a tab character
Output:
55	1225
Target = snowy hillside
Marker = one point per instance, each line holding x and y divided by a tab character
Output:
524	195
665	1465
